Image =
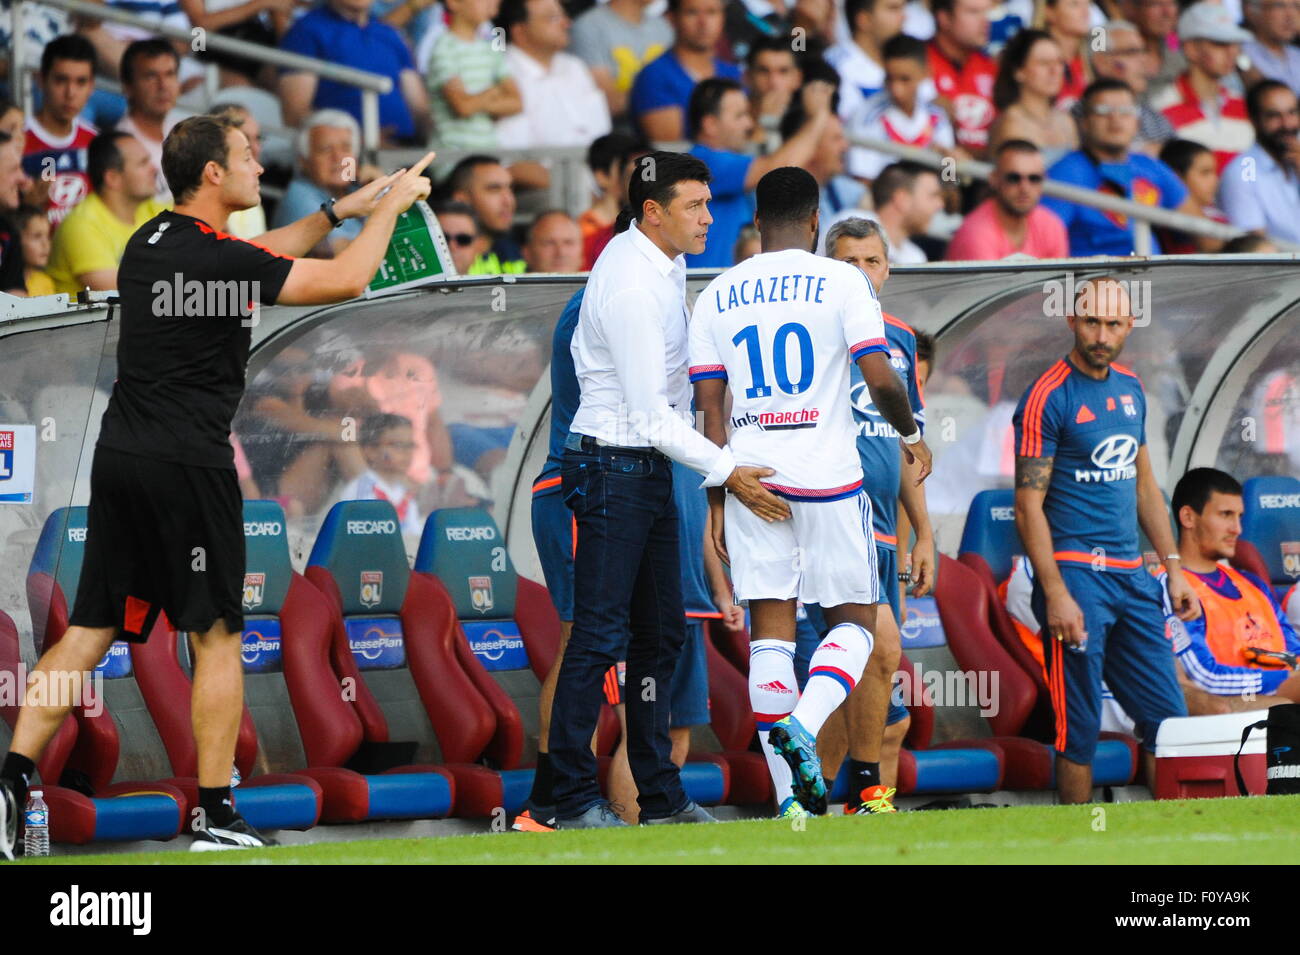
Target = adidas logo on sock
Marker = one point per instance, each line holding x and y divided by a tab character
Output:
776	686
832	646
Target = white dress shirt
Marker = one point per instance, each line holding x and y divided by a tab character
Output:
563	106
630	352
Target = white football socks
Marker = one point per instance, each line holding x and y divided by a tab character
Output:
773	692
833	672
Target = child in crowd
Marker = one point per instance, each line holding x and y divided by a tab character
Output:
1196	167
387	443
896	113
469	83
34	230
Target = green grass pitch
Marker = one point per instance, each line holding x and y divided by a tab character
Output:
1201	831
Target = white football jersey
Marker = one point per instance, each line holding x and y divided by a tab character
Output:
782	328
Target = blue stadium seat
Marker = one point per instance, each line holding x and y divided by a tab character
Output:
498	613
1271	523
394	641
990	532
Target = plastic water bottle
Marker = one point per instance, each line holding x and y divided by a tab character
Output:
36	841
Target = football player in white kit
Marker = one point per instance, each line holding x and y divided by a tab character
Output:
780	330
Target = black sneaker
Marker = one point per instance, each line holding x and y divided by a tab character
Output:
237	834
8	821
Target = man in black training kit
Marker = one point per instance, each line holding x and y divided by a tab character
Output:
165	524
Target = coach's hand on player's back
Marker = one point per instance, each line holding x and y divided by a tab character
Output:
1065	619
919	452
744	483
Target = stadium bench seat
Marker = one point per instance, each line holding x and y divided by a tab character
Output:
989	545
731	722
394	640
503	618
1271	525
299	716
955	638
143	729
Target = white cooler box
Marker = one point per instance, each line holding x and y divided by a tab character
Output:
1194	756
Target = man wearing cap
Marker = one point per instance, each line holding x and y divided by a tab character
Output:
1199	104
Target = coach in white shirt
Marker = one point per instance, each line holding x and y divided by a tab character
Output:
563	106
630	356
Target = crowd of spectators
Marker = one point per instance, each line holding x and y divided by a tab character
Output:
1189	106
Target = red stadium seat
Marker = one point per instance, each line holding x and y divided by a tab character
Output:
462	552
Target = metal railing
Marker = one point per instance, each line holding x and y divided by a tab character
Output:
371	85
1144	216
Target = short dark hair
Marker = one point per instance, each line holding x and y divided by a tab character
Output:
1195	487
612	148
70	46
787	195
657	174
815	69
189	147
374	425
1014	146
924	347
853	7
1247	243
904	47
1255	97
1006	90
463	172
942	6
145	49
706	100
26	214
895	178
454	207
511	13
774	43
1179	154
1104	85
104	156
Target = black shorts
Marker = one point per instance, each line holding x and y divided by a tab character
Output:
161	536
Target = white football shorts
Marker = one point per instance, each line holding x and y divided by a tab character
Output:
825	553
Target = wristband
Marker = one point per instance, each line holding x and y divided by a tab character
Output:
913	438
1177	557
327	207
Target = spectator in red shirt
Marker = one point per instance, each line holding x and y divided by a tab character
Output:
962	74
57	139
1196	167
1069	23
1012	220
610	159
1198	103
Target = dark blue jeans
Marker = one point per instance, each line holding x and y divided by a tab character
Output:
627	604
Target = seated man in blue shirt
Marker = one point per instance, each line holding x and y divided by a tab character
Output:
343	32
329	145
720	123
662	90
1104	162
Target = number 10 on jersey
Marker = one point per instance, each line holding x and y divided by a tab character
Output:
748	336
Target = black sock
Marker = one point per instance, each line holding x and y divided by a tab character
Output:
543	781
17	772
217	805
863	776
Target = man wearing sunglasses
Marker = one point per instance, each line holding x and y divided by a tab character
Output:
460	228
1012	220
1106	162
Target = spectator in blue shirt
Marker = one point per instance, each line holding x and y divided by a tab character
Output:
1105	162
661	92
720	124
343	32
